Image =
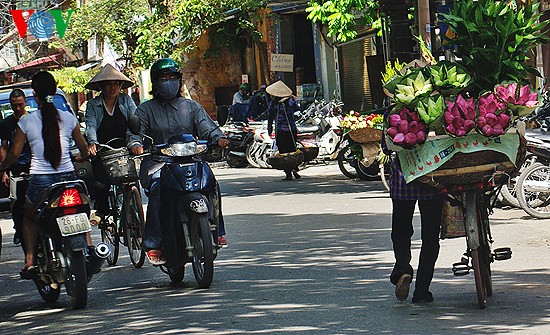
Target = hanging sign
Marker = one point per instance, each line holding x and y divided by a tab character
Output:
282	63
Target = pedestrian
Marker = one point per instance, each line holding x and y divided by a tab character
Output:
404	198
162	117
240	108
16	178
242	95
107	120
48	132
281	113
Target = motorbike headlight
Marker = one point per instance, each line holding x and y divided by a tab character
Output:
184	149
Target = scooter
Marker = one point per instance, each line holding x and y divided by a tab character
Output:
240	136
190	206
62	219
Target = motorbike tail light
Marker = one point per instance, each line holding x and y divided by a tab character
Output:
337	131
70	197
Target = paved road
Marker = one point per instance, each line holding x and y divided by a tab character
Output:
305	257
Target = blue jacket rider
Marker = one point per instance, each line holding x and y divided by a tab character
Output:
166	115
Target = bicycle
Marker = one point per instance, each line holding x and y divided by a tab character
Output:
474	190
126	218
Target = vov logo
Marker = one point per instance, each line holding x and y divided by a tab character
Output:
42	24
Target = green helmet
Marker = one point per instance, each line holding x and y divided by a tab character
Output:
164	65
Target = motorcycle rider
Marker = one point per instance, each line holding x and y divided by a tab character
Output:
166	115
12	178
48	132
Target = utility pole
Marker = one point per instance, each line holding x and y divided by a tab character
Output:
424	24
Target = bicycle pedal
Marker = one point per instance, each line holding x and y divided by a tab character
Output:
460	269
502	254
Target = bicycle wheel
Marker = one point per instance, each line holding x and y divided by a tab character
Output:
109	227
480	284
533	191
133	225
473	214
485	250
347	162
370	172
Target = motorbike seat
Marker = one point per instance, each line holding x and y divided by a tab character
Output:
307	128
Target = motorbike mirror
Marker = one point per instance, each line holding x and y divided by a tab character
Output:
134	124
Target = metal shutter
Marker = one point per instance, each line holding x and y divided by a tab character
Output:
354	79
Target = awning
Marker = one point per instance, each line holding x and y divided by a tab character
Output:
39	61
87	66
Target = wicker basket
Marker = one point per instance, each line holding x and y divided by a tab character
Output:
118	165
459	171
286	161
364	135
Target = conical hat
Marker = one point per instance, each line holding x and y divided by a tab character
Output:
108	73
279	89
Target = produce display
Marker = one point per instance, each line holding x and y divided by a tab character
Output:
474	100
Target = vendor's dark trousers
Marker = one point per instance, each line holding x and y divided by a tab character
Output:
402	231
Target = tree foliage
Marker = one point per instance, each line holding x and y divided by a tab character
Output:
174	27
116	20
342	16
72	80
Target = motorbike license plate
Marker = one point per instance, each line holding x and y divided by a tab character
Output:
74	224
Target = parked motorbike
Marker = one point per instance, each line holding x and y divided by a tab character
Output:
261	147
63	221
537	137
190	206
240	136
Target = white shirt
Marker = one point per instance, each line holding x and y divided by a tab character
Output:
31	125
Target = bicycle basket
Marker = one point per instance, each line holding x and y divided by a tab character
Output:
118	165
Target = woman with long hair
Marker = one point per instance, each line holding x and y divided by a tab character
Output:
48	132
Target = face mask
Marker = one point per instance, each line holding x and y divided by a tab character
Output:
168	89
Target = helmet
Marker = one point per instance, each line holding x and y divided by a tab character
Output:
164	65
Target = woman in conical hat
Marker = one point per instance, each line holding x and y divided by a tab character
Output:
282	111
107	119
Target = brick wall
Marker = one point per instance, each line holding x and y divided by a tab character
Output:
201	76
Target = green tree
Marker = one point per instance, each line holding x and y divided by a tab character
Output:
116	20
174	27
342	16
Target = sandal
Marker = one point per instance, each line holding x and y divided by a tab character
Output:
156	257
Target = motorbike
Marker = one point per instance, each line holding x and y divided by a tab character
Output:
326	117
240	136
261	147
62	254
190	206
538	137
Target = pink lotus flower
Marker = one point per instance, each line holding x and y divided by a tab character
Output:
521	101
489	104
460	116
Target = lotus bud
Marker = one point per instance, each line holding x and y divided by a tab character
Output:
403	126
469	125
392	131
394	120
421	137
399	138
461	132
410	139
448	117
491	119
413	127
458	122
481	122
